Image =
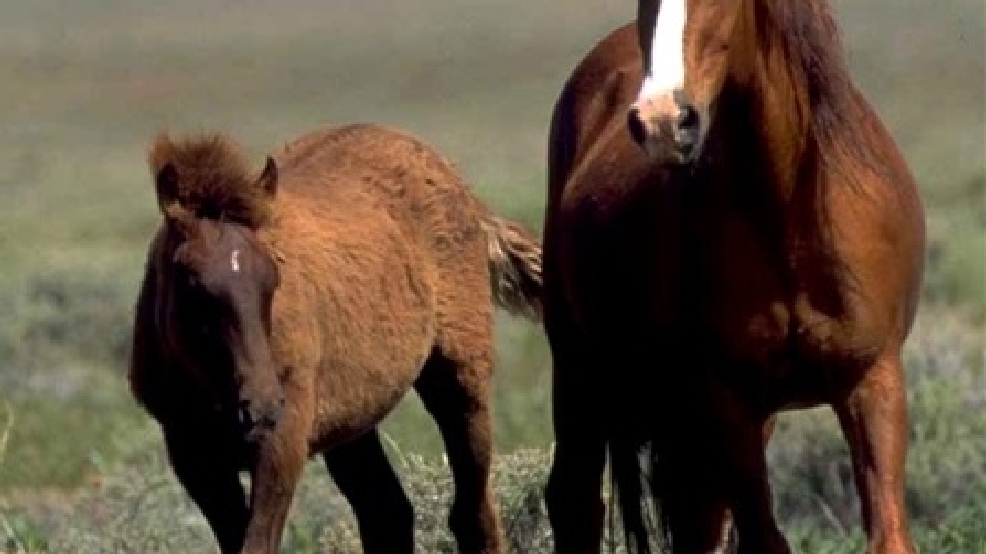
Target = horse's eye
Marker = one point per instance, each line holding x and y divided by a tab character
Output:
208	211
185	276
191	279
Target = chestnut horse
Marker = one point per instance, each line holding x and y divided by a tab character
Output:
731	232
285	312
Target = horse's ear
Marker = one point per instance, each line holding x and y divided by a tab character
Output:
166	184
268	177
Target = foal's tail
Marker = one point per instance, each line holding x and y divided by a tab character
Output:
515	266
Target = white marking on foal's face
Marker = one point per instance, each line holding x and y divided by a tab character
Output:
666	60
234	261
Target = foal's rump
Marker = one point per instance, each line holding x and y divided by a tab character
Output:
423	194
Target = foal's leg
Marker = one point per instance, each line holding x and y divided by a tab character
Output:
874	421
363	473
210	476
457	396
281	455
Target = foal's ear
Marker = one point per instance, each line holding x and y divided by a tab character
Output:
268	177
180	220
166	184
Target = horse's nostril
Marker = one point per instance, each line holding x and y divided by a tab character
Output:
687	133
244	416
688	118
637	130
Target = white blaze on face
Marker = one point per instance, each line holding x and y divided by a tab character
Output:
667	60
234	261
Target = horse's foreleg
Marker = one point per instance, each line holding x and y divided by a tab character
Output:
210	477
749	489
573	491
365	477
874	420
457	396
729	543
280	457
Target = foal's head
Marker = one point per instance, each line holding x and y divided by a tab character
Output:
220	280
687	48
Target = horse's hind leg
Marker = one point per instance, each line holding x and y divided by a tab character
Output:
365	477
211	479
874	421
456	393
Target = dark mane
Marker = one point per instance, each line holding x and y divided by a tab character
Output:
811	40
215	179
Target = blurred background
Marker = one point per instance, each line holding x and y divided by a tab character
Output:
84	86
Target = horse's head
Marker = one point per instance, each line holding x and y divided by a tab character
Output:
687	48
217	312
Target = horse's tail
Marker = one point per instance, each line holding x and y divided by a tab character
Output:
515	266
638	501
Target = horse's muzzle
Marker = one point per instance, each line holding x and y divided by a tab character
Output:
668	129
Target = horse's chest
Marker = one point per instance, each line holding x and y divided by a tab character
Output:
615	258
764	327
740	298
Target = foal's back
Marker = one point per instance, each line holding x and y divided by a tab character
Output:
371	176
384	263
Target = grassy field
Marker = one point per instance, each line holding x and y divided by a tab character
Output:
84	87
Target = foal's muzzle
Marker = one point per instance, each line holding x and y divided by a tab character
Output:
254	417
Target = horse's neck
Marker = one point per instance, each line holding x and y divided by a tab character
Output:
768	114
765	139
766	154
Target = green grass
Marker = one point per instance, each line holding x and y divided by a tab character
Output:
86	85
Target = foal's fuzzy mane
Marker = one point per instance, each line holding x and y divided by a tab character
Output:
215	179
